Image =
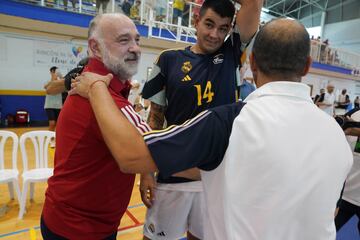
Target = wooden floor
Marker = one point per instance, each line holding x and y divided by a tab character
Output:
12	228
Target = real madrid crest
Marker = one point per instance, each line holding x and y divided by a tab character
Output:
186	67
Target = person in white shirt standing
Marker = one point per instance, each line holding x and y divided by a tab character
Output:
53	103
329	100
272	168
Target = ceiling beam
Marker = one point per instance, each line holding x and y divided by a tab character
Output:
330	8
275	4
296	9
292	4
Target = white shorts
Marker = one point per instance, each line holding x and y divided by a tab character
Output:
174	213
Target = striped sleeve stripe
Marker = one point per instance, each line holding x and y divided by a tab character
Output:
157	133
139	119
135	119
155	136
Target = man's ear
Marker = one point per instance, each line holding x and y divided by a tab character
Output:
254	68
94	47
307	65
197	20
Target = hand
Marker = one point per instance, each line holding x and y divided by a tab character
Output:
83	83
147	185
135	85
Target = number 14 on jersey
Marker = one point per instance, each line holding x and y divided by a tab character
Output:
208	94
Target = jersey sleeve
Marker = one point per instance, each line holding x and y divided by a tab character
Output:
199	142
154	88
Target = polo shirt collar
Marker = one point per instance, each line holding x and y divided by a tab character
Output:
282	88
119	87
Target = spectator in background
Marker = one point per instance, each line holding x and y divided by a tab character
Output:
186	13
329	100
246	87
319	97
126	6
160	9
64	84
134	91
196	9
53	103
73	2
343	100
102	3
357	102
178	9
135	11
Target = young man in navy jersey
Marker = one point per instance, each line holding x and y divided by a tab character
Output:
183	83
269	171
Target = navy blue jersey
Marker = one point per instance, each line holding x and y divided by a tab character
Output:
194	82
200	142
187	83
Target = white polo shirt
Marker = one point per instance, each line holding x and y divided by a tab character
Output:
272	169
329	99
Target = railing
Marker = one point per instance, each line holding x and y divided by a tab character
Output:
158	15
325	54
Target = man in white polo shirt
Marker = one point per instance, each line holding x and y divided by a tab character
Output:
272	168
327	105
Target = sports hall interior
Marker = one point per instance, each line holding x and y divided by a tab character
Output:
38	34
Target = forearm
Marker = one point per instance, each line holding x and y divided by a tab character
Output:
324	104
55	87
353	132
156	116
248	18
124	141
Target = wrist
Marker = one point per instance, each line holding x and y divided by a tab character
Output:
94	85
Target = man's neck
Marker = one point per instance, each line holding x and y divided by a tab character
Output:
264	79
196	49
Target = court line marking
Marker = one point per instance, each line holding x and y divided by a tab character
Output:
137	224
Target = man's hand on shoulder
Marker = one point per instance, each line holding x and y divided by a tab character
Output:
86	81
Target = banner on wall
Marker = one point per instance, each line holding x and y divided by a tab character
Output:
62	55
3	49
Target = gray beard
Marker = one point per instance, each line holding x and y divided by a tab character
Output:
118	66
121	70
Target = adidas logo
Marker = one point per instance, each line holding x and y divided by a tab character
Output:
186	78
161	234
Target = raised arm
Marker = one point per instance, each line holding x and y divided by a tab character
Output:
248	18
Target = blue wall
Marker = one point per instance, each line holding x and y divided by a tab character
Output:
33	104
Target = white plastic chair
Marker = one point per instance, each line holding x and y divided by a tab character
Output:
10	176
41	172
